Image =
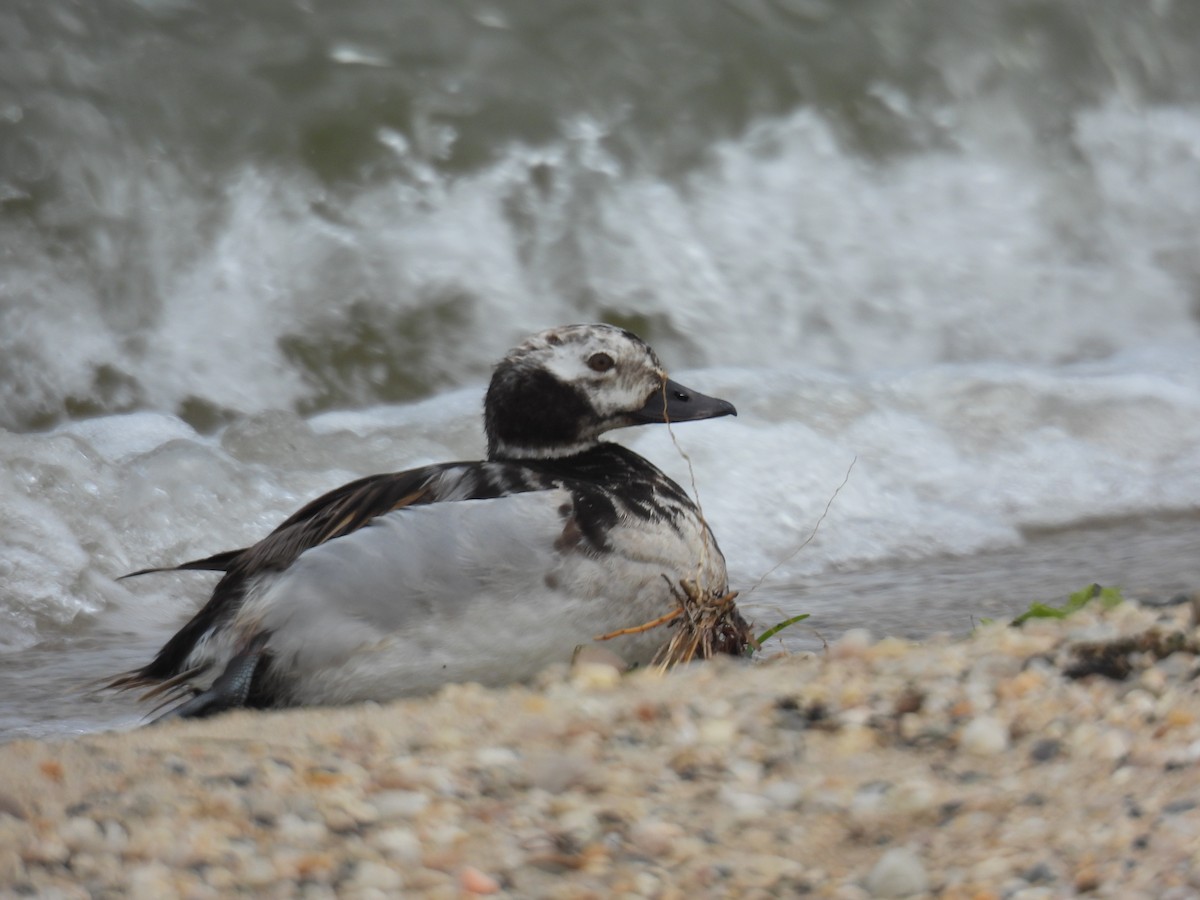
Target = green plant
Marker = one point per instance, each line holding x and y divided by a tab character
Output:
778	627
1108	597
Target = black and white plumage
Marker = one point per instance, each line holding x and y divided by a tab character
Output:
466	571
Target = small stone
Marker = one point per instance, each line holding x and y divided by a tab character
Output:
984	736
474	881
372	875
764	871
599	655
580	823
12	870
654	838
1087	878
50	849
11	806
866	807
554	773
718	731
496	756
744	804
856	739
151	881
911	797
401	844
851	645
784	794
590	676
1113	744
1153	680
1041	873
1045	750
258	872
899	873
291	829
399	804
79	833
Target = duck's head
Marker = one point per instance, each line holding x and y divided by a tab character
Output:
561	389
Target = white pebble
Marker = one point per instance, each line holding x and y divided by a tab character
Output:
400	804
744	804
79	833
595	677
151	881
784	794
898	873
984	736
296	832
718	731
496	756
1113	744
654	838
911	797
401	844
852	644
368	875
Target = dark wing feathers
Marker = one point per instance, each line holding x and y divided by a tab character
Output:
218	562
339	512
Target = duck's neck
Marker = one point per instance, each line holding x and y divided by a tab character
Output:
499	450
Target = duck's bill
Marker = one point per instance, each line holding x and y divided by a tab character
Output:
676	403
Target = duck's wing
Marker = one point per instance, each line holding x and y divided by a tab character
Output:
337	513
331	515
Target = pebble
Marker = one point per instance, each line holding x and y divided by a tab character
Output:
474	881
401	844
399	804
972	768
899	873
372	875
655	838
985	736
593	676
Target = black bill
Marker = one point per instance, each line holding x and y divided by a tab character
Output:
676	403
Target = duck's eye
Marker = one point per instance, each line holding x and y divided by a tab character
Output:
600	362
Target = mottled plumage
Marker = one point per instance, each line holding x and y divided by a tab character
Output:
396	583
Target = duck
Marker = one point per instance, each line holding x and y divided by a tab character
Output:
478	571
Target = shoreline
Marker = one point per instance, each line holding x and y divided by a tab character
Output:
964	767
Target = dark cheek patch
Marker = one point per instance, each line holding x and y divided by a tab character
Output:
534	409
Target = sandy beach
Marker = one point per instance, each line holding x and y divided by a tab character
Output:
976	767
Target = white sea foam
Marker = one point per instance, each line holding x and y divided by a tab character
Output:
781	249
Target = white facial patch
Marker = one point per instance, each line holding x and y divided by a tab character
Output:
565	352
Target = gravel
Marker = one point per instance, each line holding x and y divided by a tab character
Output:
967	768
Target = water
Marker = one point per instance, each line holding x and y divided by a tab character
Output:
247	254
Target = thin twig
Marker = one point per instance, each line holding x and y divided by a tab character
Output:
703	561
638	629
812	535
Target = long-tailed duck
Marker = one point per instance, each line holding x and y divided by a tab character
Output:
483	571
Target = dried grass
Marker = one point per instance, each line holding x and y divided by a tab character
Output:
704	624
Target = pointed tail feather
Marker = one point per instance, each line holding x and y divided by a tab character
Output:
218	562
137	678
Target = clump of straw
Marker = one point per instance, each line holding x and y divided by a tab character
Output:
705	624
